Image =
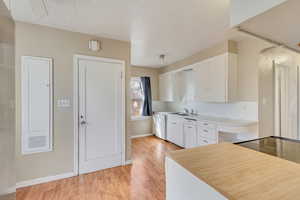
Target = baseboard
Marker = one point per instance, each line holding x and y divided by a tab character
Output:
8	191
144	135
44	180
128	162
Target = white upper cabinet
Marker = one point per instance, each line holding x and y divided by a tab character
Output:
166	87
216	79
184	86
211	80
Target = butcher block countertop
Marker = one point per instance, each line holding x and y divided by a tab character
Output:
241	173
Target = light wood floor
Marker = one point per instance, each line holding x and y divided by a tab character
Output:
143	180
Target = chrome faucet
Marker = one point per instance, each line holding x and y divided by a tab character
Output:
192	111
186	110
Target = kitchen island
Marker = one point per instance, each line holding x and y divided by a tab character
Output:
230	172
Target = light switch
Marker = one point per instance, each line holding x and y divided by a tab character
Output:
63	103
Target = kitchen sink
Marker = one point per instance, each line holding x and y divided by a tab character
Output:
180	114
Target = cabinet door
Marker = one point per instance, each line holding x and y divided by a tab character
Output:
202	81
171	131
179	86
179	135
211	79
166	89
175	133
184	86
218	79
190	136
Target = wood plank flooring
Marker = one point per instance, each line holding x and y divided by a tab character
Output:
143	180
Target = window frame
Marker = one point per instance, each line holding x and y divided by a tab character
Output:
133	117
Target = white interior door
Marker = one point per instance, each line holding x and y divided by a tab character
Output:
286	101
101	111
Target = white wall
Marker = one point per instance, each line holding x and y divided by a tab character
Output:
60	45
7	106
242	10
248	68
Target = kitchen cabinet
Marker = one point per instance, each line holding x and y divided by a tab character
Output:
175	130
184	86
166	87
190	136
204	141
190	133
215	79
211	80
206	133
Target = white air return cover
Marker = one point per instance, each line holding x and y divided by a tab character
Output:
36	104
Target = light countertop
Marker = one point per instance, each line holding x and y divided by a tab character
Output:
240	173
220	120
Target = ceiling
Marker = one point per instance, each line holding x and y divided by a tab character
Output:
280	24
177	28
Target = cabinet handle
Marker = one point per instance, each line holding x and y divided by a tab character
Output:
190	120
206	131
205	124
205	141
190	127
174	123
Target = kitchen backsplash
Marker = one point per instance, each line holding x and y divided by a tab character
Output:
159	106
238	110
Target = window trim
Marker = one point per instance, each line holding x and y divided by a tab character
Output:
141	117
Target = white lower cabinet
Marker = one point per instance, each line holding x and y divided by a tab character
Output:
199	135
204	141
175	132
189	133
190	136
206	134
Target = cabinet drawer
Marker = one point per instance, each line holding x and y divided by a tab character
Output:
191	122
207	133
207	125
204	141
174	118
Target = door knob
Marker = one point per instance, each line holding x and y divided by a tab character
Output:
83	122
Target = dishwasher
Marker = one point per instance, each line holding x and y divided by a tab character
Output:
160	124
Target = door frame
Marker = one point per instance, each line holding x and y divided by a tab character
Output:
76	59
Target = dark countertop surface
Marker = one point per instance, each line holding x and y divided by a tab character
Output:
284	148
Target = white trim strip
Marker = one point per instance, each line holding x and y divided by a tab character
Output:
44	180
139	136
8	191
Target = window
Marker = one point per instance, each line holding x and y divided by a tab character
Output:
137	97
141	98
